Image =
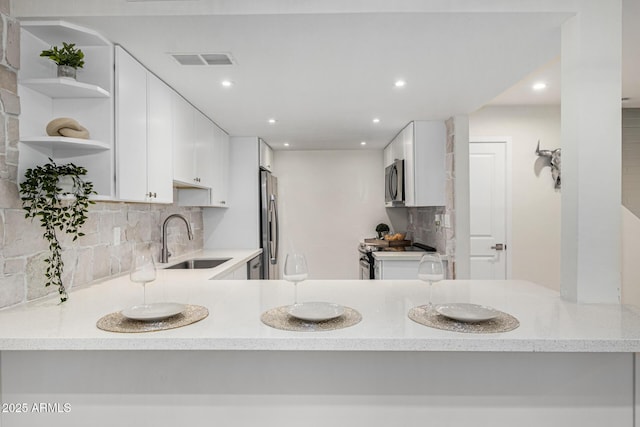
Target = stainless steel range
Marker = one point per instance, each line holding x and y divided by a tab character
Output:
367	263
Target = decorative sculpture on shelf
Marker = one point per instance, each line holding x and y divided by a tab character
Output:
554	160
65	126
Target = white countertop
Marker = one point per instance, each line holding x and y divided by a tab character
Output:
547	323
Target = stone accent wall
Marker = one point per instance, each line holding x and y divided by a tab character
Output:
422	225
92	258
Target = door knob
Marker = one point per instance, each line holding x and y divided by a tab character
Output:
499	247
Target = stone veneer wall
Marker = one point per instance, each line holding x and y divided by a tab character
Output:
421	220
91	258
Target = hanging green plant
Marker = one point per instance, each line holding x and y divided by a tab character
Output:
42	197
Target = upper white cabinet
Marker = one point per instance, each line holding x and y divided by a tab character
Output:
201	158
183	141
89	100
204	150
422	146
159	140
144	137
220	186
143	133
266	156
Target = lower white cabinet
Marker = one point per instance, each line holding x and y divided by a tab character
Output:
393	269
238	273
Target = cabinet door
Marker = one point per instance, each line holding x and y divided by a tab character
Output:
430	139
266	156
159	141
388	156
408	149
131	127
183	141
219	189
397	148
204	150
398	270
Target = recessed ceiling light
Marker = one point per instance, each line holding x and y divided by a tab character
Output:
400	83
539	86
376	120
272	121
363	143
286	144
227	83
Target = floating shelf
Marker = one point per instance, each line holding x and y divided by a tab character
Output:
61	142
55	32
61	87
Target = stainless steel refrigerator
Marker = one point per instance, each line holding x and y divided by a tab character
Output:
269	228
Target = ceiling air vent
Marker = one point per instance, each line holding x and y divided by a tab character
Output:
213	59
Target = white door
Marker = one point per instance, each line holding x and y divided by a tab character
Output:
487	172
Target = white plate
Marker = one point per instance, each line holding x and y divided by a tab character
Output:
316	311
467	312
152	312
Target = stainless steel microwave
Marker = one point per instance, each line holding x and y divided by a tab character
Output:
394	184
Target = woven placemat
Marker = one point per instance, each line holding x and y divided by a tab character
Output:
116	322
279	318
427	315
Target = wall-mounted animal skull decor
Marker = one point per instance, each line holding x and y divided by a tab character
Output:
554	160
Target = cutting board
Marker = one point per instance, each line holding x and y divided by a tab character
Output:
387	243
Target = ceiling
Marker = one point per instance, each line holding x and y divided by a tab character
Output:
325	77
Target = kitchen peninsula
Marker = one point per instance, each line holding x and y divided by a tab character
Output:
566	364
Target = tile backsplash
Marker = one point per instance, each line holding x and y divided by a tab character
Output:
112	232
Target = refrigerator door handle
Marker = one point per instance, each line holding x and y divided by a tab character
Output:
274	209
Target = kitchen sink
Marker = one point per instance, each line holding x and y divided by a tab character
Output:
191	264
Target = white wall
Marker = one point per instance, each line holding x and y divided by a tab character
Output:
238	226
329	202
535	246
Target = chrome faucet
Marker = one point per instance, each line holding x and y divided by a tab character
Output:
164	255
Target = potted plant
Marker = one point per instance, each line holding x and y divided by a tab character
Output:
42	197
382	229
68	58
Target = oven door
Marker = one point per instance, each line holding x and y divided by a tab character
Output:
365	269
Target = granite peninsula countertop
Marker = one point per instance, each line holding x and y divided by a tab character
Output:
547	323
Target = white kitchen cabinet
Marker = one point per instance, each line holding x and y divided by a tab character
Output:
422	146
204	149
159	140
399	269
200	156
387	156
143	130
88	99
266	156
183	142
211	160
238	273
220	184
